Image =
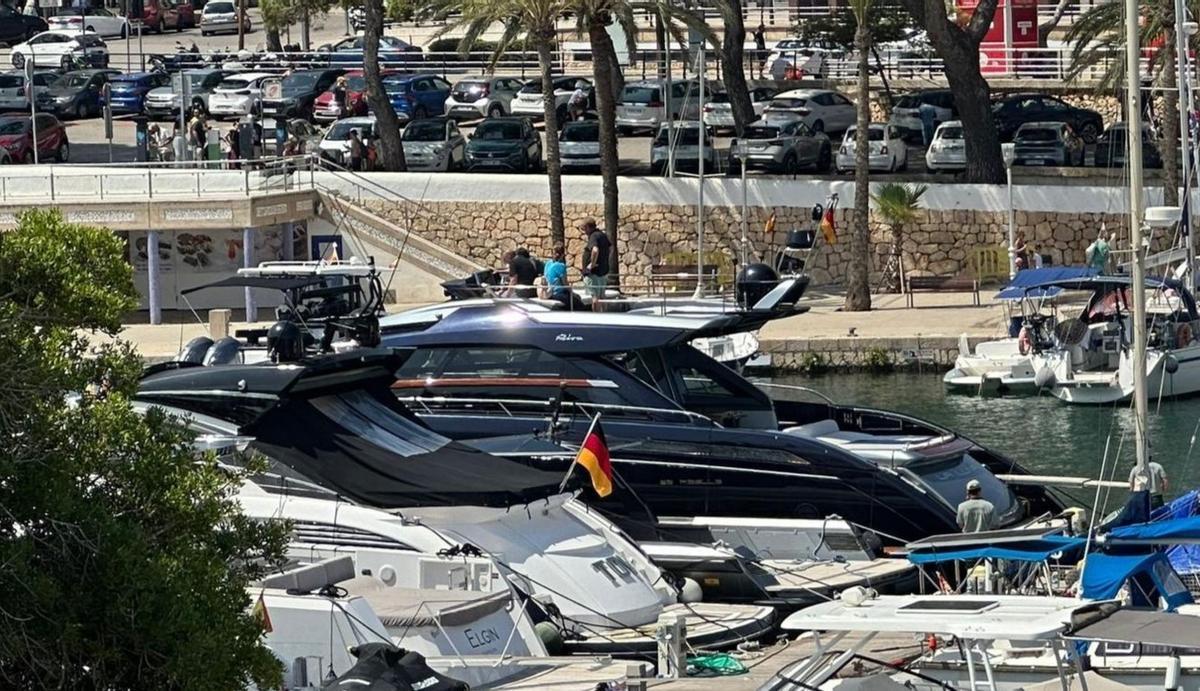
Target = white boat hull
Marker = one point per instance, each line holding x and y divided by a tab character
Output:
996	368
1111	387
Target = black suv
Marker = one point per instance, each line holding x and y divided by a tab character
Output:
298	92
1013	111
16	27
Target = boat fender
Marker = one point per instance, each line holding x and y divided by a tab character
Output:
1044	378
1024	343
551	636
1171	364
1174	668
855	596
1183	335
690	591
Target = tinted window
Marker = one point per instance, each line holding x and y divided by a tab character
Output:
440	84
951	133
234	84
839	100
1038	134
496	131
396	84
425	131
948	477
299	82
1053	104
356	83
684	136
218	8
11	81
341	130
719	97
581	132
789	102
9	127
640	94
874	134
761	132
75	80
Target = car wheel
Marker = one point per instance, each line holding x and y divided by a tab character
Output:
203	32
789	164
64	152
818	126
27	159
18	60
1089	133
495	110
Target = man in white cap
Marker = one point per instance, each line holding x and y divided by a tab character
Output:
976	514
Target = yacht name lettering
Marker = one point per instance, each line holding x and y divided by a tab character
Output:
568	337
613	568
482	637
425	683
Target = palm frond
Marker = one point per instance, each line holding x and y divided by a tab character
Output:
899	204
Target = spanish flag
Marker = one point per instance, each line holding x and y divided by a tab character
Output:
261	615
828	230
593	455
769	226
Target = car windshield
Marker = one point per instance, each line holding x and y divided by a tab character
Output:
949	479
73	81
760	132
1037	134
234	84
719	97
496	131
341	130
788	102
581	132
465	87
10	127
218	8
356	83
950	133
640	94
425	131
299	82
684	136
396	84
11	81
532	87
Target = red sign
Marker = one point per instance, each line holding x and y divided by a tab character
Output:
1013	31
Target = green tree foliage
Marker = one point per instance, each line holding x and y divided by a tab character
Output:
886	21
124	560
899	205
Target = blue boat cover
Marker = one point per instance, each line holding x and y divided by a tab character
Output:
1015	290
1168	529
1185	558
1029	550
1151	577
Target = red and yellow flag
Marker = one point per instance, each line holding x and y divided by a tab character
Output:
593	455
828	230
769	226
261	614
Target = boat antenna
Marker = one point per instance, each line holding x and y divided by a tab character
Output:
1136	202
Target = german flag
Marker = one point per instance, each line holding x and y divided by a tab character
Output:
593	455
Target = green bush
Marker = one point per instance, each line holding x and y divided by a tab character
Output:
813	363
878	360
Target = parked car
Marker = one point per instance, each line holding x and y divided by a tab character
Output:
687	148
477	97
164	102
783	148
947	151
416	96
62	50
101	21
822	110
643	106
906	114
238	94
1047	144
888	152
579	146
15	91
221	15
160	15
77	94
718	111
298	93
434	144
335	145
1112	147
800	57
326	107
528	101
392	51
16	27
127	92
1016	110
504	143
16	138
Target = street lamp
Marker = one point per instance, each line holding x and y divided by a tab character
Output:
1009	151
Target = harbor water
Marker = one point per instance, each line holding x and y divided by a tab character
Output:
1046	435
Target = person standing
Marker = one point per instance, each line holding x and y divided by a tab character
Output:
522	272
1097	253
1152	479
976	514
356	151
198	134
595	258
760	46
556	280
928	115
577	105
1020	251
340	98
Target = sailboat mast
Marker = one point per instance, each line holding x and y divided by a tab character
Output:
1133	74
1185	126
700	69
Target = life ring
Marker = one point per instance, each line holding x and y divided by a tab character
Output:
1183	334
1024	343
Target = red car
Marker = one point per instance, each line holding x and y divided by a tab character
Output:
16	138
325	108
160	15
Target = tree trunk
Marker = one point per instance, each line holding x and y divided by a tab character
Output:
733	48
972	97
858	278
390	148
1169	131
305	32
897	247
550	115
274	45
603	61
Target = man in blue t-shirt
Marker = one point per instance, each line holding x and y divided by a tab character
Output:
556	280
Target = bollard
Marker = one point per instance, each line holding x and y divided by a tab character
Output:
670	633
218	323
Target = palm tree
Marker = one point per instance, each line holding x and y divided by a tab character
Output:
391	150
858	288
899	205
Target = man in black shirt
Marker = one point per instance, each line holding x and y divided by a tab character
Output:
595	258
522	272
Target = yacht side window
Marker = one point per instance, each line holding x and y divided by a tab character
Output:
697	384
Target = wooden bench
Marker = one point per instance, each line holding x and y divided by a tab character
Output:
940	284
679	278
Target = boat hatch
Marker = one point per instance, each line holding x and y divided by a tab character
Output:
943	605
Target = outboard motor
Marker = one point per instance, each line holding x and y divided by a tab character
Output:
285	342
223	352
754	281
384	667
195	350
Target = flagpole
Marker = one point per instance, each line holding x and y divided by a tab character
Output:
575	459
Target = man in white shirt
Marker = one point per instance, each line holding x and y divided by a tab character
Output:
1153	479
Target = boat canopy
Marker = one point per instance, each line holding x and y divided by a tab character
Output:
1044	278
1032	549
1170	530
1150	577
1110	624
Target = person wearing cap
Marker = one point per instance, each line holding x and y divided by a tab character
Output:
976	514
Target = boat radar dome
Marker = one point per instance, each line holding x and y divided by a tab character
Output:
754	281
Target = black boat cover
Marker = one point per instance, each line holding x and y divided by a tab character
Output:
382	667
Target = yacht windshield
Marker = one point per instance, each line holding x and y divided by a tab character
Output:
949	477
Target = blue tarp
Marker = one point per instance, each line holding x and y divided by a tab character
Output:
1169	529
1185	558
1151	575
1028	550
1015	290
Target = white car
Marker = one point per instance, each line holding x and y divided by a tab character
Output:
479	97
335	145
718	111
221	15
643	105
62	49
14	92
948	151
821	109
238	94
808	60
95	19
906	114
528	101
889	153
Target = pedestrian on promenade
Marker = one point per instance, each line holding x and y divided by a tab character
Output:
1020	251
1097	253
760	47
232	139
595	258
198	134
339	97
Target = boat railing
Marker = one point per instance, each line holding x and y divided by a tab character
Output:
794	387
512	407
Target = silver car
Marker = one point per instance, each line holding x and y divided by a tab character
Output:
479	97
1047	143
783	148
718	111
687	148
579	146
947	151
643	105
433	144
14	92
528	101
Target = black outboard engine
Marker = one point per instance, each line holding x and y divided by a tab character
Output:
285	342
195	350
384	667
754	281
223	352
